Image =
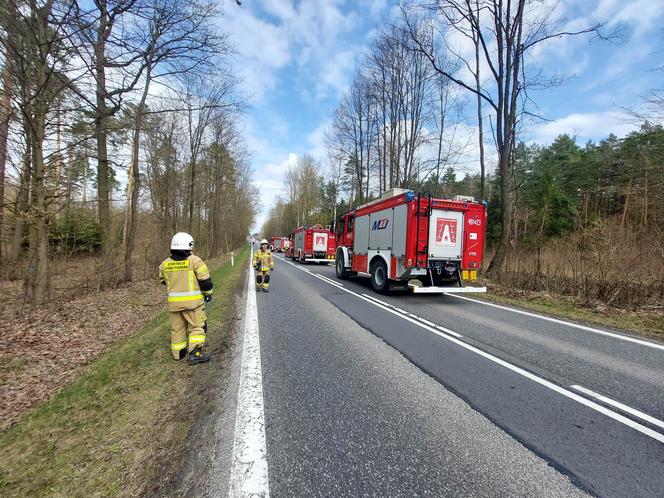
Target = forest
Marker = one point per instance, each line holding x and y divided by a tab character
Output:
119	125
581	220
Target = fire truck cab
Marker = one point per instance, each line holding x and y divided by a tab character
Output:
413	240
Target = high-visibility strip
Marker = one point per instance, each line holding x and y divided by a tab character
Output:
196	338
202	269
185	293
178	346
177	299
191	280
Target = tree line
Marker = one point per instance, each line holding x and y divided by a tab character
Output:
399	125
114	116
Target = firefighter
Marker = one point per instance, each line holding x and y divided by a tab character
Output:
263	263
189	287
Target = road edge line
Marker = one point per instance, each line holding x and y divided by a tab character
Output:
249	471
594	330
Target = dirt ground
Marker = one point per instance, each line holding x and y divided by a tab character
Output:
43	349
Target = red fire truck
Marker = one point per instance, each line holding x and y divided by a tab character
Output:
412	240
315	244
279	244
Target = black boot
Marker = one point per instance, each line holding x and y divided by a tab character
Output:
265	289
197	356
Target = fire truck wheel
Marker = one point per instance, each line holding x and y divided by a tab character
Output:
340	267
379	280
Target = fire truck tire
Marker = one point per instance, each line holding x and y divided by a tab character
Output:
340	266
379	280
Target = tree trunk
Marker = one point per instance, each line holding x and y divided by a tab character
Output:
22	198
5	116
37	277
503	248
133	184
480	127
101	135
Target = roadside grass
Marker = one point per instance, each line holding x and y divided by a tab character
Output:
113	429
649	324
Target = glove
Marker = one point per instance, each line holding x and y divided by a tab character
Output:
208	298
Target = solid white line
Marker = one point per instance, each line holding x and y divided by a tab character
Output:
620	406
249	473
563	322
518	370
414	316
330	280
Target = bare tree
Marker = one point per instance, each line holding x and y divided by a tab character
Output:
180	41
506	32
5	117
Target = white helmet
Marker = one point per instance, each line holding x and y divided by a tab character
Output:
264	241
182	241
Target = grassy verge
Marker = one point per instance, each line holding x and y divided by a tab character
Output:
649	324
109	432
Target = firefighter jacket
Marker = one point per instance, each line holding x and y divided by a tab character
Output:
187	280
263	260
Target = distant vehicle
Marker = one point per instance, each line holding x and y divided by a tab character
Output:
412	240
279	244
313	244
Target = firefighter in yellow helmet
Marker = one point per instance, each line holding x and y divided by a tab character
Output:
263	263
189	287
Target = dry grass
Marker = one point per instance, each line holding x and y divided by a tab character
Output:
605	265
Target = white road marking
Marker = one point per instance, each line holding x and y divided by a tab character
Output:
414	316
330	280
620	406
518	370
249	473
563	322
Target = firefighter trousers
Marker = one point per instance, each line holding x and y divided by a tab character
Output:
185	323
262	279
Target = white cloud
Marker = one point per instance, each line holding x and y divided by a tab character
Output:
585	126
262	49
316	140
270	183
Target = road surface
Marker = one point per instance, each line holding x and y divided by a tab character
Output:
404	395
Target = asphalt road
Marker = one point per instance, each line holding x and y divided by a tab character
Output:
448	397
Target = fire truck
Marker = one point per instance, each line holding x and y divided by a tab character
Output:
279	244
414	241
315	244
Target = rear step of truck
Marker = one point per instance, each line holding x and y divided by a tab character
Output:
418	289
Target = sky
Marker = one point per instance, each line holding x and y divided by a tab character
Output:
296	58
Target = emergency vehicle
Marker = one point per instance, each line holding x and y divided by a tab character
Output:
279	244
316	244
413	240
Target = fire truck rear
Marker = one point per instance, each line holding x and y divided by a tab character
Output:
315	244
279	244
412	240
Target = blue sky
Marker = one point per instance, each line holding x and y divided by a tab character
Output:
297	58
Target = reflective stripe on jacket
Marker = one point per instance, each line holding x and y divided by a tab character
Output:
181	279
